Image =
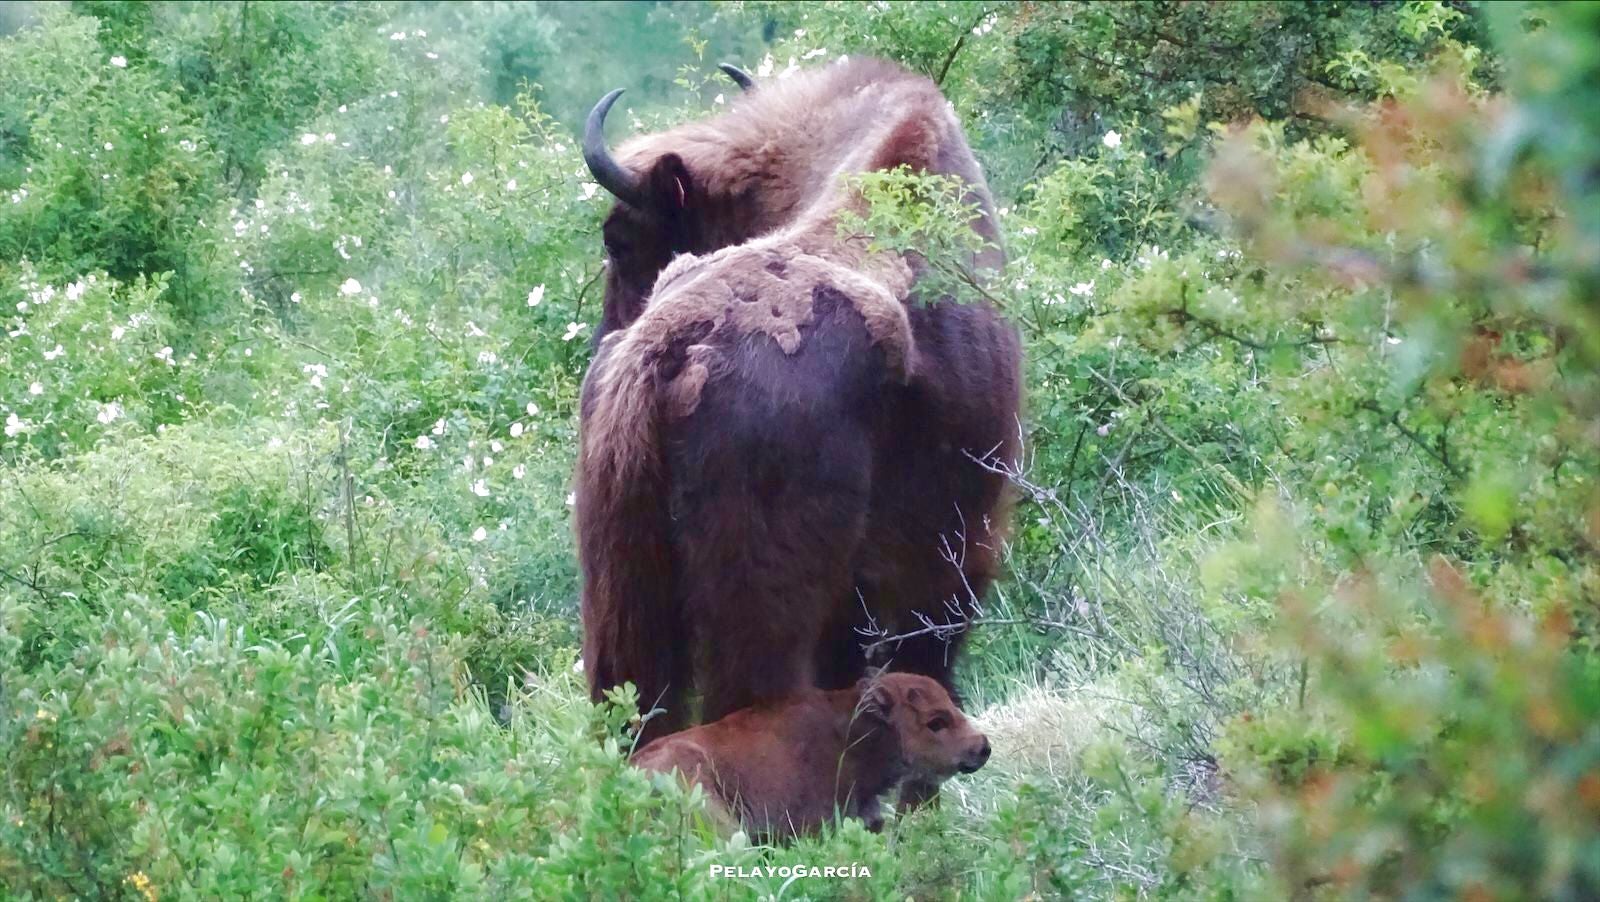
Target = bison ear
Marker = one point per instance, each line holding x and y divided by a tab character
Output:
670	185
876	701
912	142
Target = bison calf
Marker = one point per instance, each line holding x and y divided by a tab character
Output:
786	768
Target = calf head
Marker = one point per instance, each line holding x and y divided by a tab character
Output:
936	739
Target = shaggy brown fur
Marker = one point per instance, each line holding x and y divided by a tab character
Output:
721	181
788	768
778	446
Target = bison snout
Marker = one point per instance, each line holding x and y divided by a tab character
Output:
977	757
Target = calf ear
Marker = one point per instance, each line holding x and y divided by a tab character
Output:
876	701
671	188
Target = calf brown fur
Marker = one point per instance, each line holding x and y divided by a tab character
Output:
787	768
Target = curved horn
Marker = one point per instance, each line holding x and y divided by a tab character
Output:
611	175
739	76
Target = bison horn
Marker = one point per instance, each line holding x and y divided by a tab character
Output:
739	76
611	175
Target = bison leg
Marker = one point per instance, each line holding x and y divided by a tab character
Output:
921	595
841	657
764	575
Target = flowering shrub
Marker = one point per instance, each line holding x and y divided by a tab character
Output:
86	358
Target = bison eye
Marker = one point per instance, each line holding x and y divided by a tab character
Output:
938	723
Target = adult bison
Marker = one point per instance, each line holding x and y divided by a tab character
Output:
775	444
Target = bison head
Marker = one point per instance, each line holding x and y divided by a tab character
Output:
656	216
663	209
936	739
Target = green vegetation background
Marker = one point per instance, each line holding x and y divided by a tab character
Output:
1302	592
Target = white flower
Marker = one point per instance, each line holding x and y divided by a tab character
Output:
109	412
350	286
318	372
117	332
511	184
487	358
55	352
719	99
15	425
397	36
813	54
424	443
121	62
438	426
481	488
110	146
487	463
496	445
165	356
589	189
1105	429
75	290
466	178
1105	264
1082	288
308	139
479	534
533	409
431	55
572	499
343	108
295	297
536	296
516	430
518	471
1112	139
1392	339
765	68
572	331
36	388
